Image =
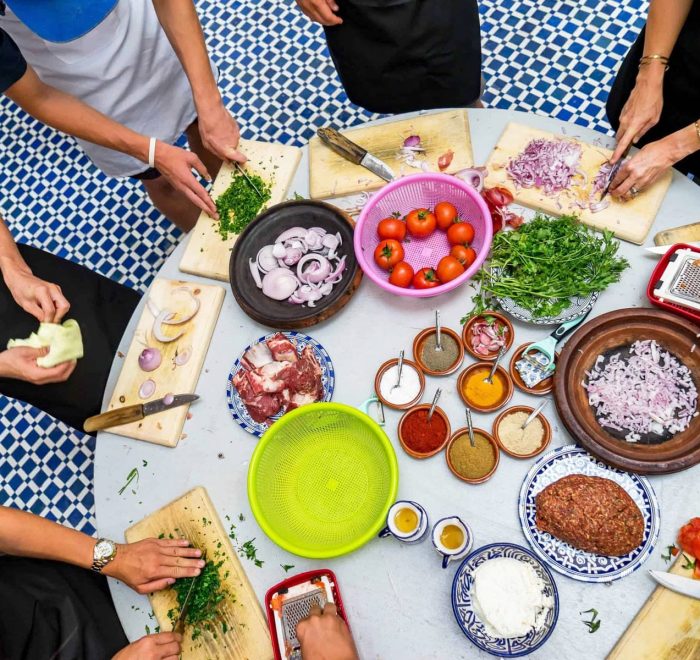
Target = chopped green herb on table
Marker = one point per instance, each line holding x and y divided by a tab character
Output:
594	623
545	263
239	204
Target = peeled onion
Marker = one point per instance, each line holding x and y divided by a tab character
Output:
150	359
279	284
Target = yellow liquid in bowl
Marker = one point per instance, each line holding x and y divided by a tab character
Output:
406	520
451	537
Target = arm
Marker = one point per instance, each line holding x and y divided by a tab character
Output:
643	108
70	115
219	130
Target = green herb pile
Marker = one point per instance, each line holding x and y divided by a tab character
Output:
203	607
239	204
545	263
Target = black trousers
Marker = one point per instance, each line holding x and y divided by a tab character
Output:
101	307
396	56
50	610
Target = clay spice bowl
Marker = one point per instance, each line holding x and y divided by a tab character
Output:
424	351
416	419
542	388
407	364
526	410
495	318
459	442
476	373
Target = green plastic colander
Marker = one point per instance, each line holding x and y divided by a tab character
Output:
322	479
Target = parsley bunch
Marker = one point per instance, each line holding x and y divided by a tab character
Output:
546	262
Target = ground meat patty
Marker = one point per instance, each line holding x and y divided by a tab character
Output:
591	514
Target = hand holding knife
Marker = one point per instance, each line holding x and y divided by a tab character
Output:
613	172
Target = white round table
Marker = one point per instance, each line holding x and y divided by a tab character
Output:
397	597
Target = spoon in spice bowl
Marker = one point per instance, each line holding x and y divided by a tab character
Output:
435	400
533	414
438	342
398	377
501	353
470	426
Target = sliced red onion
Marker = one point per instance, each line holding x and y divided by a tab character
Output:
255	273
158	330
183	356
152	307
279	284
596	207
474	176
412	142
147	389
294	232
318	230
172	319
266	258
292	256
314	273
168	398
546	164
150	359
279	251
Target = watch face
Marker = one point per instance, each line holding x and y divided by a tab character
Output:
104	549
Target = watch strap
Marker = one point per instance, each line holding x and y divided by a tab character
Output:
99	563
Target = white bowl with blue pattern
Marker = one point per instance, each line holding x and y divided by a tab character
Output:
472	626
565	559
239	412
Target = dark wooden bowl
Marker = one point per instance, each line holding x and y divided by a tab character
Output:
280	314
606	332
466	335
418	348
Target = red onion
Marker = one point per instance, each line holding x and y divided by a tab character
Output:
255	273
279	284
547	164
266	258
183	357
172	319
315	274
158	330
474	176
168	398
147	389
294	232
412	141
150	359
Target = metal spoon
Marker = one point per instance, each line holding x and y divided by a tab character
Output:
435	400
470	426
398	379
501	353
438	331
533	414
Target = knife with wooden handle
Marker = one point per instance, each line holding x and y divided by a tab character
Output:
137	412
354	153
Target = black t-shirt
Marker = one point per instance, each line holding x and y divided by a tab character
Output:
12	64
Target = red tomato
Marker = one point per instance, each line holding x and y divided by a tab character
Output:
401	275
449	268
689	538
465	255
421	222
426	278
392	227
388	253
460	233
446	214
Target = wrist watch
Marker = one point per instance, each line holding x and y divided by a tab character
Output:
103	553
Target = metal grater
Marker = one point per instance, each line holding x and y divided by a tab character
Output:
680	281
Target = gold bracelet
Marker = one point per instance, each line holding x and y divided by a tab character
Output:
661	58
647	63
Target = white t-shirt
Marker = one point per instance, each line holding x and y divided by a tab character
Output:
126	68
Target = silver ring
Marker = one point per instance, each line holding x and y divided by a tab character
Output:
634	192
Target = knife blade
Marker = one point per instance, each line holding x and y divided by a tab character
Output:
249	180
677	583
135	413
663	249
179	626
613	172
354	153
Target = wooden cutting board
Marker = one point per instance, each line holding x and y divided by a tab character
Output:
331	175
194	517
166	428
666	628
206	253
630	221
685	234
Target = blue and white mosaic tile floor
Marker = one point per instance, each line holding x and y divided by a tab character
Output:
552	57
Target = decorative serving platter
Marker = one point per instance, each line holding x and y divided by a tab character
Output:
238	410
563	558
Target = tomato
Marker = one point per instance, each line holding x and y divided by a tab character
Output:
421	222
426	278
449	268
689	538
401	275
392	227
465	255
388	253
460	233
446	214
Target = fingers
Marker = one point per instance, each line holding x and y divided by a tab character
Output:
58	374
331	609
624	140
321	12
155	585
315	610
197	164
233	155
165	650
191	567
205	205
60	303
178	543
166	638
331	3
48	309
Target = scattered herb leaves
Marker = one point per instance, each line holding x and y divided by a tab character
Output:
239	204
689	563
287	567
671	551
594	623
134	474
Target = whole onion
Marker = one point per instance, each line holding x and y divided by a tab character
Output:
150	359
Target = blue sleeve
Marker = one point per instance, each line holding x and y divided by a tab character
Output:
12	64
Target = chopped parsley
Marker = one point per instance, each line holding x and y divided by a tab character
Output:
287	567
239	204
594	623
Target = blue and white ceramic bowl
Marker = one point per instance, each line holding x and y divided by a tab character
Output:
469	622
562	557
418	534
238	410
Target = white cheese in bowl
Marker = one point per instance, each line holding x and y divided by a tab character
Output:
508	596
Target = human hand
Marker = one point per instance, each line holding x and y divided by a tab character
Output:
154	564
645	167
20	363
152	647
219	132
43	300
642	110
321	11
325	636
176	166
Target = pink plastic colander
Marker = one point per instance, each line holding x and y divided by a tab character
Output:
422	191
